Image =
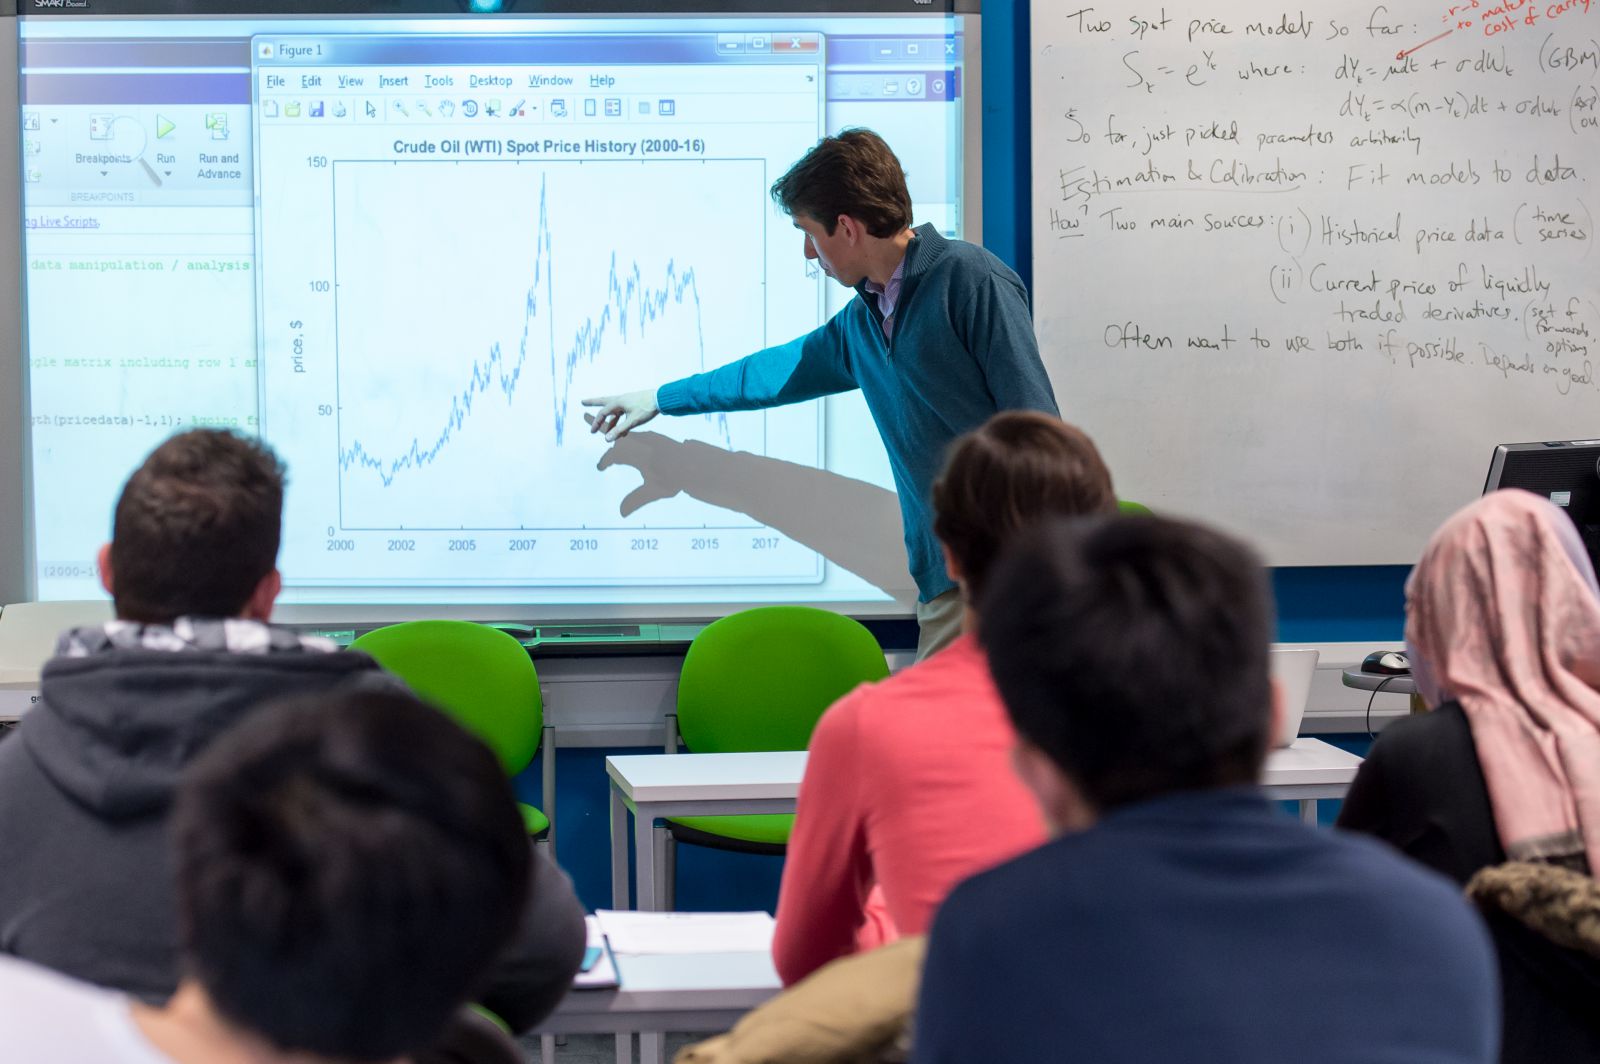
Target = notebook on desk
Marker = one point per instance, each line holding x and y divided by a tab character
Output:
644	933
601	972
668	934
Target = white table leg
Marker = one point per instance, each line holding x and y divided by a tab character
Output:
619	850
662	841
669	871
619	888
652	1044
644	859
1308	810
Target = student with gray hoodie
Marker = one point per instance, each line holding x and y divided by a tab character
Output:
87	783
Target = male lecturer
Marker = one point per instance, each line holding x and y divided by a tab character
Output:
938	340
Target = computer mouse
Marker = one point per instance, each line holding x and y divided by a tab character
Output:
1386	663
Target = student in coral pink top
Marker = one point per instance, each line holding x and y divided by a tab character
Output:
909	788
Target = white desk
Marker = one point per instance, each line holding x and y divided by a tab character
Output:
653	786
683	992
680	992
1306	770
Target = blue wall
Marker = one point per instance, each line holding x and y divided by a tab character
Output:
1007	144
1315	604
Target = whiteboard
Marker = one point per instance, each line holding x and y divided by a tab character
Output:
1298	269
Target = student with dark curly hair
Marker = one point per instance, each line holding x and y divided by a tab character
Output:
87	782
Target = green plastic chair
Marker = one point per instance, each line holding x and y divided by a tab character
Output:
484	679
760	680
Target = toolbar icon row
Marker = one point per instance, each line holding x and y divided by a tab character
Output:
426	109
106	126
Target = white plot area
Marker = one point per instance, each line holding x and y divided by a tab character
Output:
478	302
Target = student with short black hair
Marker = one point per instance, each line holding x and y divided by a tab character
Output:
86	783
1144	669
348	869
1177	915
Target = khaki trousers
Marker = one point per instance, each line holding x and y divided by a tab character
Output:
940	623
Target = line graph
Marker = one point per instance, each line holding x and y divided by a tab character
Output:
466	335
628	298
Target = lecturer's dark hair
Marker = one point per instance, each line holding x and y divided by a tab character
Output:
1015	470
854	173
196	528
1133	652
348	868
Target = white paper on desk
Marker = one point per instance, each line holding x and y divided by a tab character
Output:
636	933
603	974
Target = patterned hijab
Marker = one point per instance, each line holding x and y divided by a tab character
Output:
1503	615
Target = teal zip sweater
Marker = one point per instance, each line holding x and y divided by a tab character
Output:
963	350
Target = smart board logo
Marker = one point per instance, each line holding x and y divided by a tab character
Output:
67	4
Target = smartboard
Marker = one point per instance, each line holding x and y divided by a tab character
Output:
1298	269
402	240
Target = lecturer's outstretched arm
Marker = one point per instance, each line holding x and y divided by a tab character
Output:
810	366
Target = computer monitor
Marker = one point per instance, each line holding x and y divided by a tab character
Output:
1567	472
401	239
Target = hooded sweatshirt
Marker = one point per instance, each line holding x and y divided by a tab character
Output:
86	880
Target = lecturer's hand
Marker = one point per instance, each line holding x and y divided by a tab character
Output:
621	414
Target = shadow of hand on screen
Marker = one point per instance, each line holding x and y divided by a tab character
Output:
851	523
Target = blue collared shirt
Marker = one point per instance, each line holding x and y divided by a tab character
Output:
888	295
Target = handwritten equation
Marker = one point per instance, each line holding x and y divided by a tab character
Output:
1335	191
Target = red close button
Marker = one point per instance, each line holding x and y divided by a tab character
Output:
794	43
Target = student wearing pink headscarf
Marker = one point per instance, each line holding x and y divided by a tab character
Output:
1503	629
